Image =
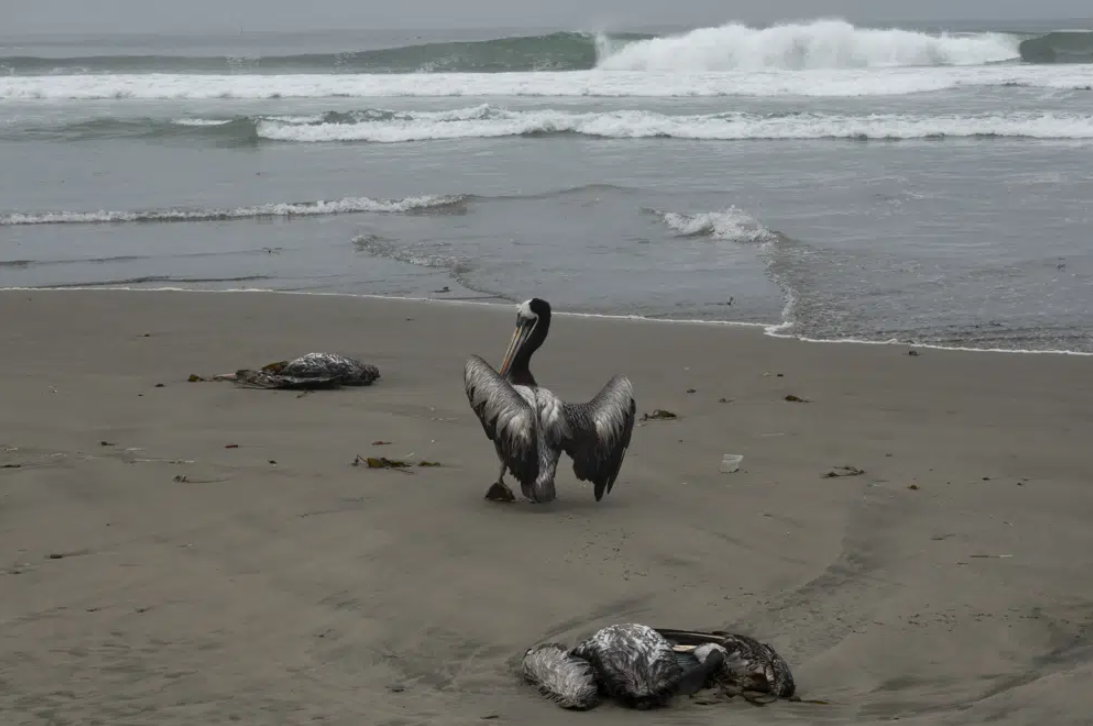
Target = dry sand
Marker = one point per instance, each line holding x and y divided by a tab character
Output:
949	584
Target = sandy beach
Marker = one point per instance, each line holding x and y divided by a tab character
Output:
153	575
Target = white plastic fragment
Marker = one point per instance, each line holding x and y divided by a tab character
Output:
730	463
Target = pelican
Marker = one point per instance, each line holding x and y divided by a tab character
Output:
313	370
751	668
630	662
530	427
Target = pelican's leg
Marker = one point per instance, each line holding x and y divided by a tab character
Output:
500	491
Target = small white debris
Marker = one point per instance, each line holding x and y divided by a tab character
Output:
730	463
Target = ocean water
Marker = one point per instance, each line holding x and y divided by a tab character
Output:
825	180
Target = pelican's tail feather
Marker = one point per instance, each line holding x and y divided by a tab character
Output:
562	677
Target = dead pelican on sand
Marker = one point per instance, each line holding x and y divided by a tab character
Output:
646	667
314	370
631	663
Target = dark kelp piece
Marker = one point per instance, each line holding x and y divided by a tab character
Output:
659	414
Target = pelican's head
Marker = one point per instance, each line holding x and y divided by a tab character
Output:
705	650
531	315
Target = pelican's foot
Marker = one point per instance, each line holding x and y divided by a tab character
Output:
499	492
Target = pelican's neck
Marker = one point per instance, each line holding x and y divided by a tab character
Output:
520	370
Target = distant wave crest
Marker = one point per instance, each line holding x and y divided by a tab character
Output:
347	205
554	51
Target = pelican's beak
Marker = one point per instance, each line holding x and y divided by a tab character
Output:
519	336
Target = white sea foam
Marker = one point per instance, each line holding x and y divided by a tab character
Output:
606	83
200	122
728	224
295	209
820	44
484	122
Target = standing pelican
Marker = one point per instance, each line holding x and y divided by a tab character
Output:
530	427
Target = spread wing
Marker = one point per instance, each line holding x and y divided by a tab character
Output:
599	434
506	418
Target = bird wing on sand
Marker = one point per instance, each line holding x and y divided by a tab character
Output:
599	434
318	366
561	676
507	418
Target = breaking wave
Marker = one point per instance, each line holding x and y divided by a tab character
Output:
727	224
815	44
347	205
822	44
488	121
824	83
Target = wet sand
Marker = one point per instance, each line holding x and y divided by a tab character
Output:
151	575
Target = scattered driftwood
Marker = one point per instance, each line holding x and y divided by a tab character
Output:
382	462
187	479
797	399
844	471
658	415
379	462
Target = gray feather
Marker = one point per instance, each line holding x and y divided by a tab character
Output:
563	678
754	666
313	370
633	664
759	666
749	664
599	434
506	417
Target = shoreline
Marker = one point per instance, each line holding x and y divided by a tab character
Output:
769	329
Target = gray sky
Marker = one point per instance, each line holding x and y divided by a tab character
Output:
98	16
